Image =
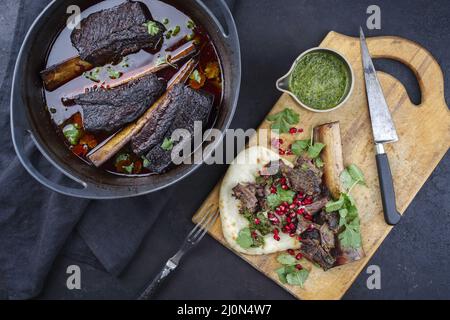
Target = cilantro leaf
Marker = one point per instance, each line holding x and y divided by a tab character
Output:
72	134
297	278
300	146
283	120
113	74
346	179
244	238
152	28
318	162
281	274
335	205
275	199
93	75
167	144
315	149
356	174
287	259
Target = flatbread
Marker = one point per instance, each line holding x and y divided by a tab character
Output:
244	169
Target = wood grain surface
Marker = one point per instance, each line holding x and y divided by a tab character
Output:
424	135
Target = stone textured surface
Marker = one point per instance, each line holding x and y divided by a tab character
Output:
414	257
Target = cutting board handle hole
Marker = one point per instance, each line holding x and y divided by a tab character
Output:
402	73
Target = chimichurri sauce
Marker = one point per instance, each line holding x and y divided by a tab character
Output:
320	80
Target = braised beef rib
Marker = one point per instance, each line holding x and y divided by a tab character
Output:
108	35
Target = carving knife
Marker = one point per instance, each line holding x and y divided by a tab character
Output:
383	130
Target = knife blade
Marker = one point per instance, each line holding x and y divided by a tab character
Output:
383	130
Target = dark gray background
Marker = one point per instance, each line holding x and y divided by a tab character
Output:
414	258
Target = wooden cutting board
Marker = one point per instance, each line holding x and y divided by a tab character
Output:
424	133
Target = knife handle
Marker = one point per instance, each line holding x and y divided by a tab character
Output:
391	214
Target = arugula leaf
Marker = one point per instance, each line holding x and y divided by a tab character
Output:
283	120
335	205
275	199
287	259
167	144
152	27
244	238
297	278
315	149
300	146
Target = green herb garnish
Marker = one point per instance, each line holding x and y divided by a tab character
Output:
167	144
313	150
128	169
283	120
145	162
93	75
176	31
244	238
275	199
152	28
190	24
72	134
113	74
346	206
288	273
196	76
165	21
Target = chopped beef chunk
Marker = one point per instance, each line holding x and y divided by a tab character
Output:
327	239
314	252
108	35
246	194
316	206
305	177
331	218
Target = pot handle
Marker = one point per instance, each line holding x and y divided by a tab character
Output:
24	153
220	7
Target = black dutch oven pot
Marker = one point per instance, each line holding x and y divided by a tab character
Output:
29	116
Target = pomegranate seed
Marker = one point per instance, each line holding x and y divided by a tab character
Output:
298	267
291	226
257	221
308	200
307	217
280	141
254	235
276	237
285	203
292	215
289	152
291	252
273	189
311	226
281	152
292	206
292	130
281	208
301	211
288	220
275	231
284	187
299	238
298	256
283	180
291	235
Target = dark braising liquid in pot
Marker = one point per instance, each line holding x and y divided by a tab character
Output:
208	73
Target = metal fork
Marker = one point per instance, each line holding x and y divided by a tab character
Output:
192	239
